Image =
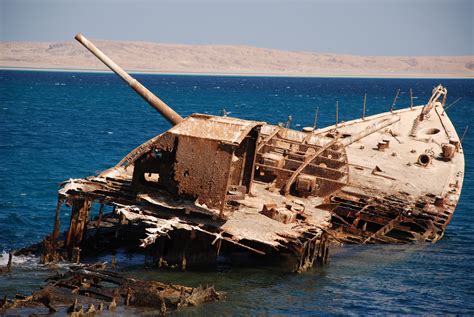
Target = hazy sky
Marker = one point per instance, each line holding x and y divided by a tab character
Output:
365	27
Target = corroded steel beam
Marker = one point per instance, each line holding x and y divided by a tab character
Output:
149	97
379	125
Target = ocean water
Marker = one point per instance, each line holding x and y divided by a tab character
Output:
60	125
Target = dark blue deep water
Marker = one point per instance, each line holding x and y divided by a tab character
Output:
55	126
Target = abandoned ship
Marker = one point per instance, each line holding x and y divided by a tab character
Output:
213	185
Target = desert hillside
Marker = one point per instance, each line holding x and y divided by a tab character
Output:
226	59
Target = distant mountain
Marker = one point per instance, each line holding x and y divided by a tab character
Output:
227	59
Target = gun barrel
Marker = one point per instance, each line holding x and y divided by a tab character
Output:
149	97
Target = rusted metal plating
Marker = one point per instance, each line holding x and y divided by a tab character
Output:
212	185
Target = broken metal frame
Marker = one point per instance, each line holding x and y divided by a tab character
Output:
87	290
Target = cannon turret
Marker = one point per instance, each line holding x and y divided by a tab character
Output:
165	110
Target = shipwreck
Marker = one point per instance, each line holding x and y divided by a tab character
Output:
216	185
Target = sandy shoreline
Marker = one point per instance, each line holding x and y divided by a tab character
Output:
151	72
226	60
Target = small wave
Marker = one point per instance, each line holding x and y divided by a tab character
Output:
123	258
18	260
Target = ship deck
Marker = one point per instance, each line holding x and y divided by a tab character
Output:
396	167
245	228
401	187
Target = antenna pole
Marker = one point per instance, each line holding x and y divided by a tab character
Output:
288	123
411	99
464	133
315	119
363	111
394	100
451	104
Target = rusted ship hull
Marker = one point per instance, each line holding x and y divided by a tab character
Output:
216	185
175	236
372	193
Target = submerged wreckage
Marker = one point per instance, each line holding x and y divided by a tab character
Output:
215	185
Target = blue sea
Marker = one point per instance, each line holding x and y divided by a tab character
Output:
60	125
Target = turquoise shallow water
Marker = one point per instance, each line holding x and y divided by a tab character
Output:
55	126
